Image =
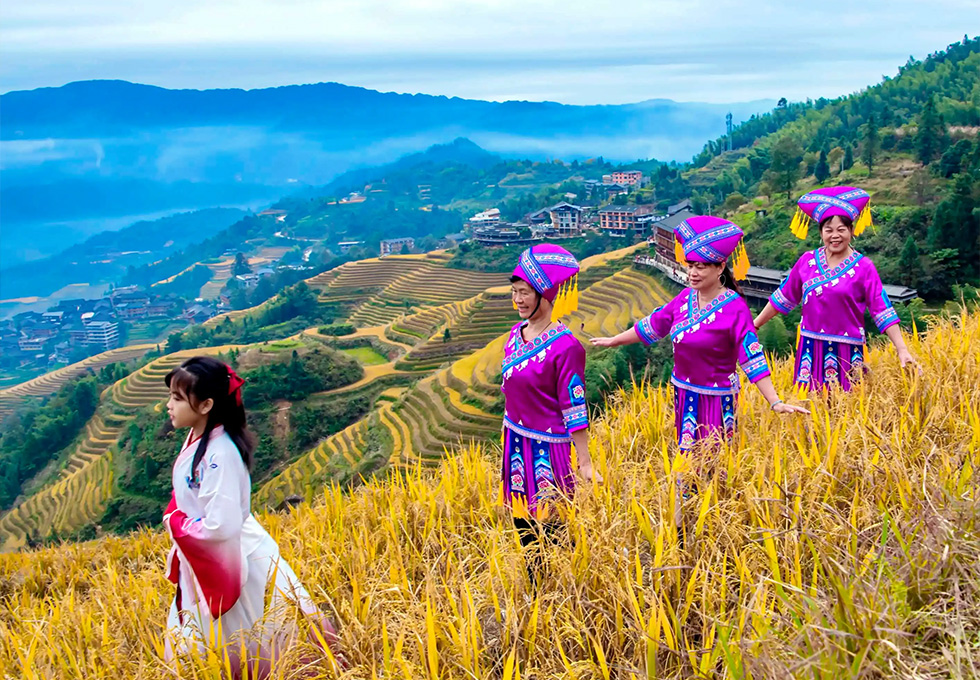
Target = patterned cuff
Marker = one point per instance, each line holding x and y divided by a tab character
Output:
644	329
756	368
885	319
782	303
576	417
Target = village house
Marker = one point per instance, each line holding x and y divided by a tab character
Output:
345	246
622	220
393	246
101	331
487	218
627	178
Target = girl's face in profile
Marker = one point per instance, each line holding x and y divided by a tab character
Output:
182	413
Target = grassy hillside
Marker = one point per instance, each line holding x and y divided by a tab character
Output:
840	545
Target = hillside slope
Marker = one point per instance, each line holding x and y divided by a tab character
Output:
839	545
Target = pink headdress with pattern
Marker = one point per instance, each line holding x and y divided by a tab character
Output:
819	204
550	270
713	240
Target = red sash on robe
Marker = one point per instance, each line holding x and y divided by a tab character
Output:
217	568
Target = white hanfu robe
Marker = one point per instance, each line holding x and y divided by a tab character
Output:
222	560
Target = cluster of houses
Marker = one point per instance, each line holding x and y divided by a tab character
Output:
83	327
569	218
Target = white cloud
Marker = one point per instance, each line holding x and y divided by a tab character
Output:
576	51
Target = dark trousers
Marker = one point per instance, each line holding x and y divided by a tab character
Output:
534	535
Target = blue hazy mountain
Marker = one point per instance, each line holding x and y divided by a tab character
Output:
77	155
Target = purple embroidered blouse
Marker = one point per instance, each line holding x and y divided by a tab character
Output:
709	342
543	385
834	298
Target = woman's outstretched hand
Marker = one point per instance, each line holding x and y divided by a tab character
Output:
783	407
589	473
906	358
603	342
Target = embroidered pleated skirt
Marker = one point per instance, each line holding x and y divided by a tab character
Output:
700	416
824	363
537	475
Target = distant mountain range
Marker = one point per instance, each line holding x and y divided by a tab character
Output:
100	149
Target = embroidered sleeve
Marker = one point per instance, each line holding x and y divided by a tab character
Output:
880	307
790	291
571	386
657	325
751	356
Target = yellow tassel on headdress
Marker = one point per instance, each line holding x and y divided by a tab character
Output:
800	224
679	253
863	220
557	304
740	266
573	300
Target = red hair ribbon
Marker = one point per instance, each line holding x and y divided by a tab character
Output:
235	385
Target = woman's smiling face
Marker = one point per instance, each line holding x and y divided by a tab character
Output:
836	235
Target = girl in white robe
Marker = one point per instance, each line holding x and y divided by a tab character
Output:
222	560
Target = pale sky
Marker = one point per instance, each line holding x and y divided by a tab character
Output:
571	51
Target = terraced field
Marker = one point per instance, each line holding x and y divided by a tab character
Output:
475	323
221	271
344	448
49	383
84	486
379	291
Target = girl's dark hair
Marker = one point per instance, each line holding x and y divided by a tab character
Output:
728	280
848	222
203	378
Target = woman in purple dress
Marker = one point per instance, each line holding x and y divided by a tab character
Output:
711	329
544	396
835	285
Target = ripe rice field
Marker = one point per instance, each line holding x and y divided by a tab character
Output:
841	544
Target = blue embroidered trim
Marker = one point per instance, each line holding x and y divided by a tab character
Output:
751	344
559	259
575	417
550	437
538	279
847	340
706	238
887	317
703	389
529	349
644	328
756	368
840	201
696	315
780	301
826	276
576	390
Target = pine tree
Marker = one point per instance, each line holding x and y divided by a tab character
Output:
848	157
909	265
932	128
822	169
869	148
